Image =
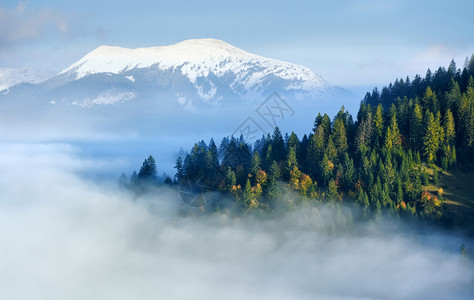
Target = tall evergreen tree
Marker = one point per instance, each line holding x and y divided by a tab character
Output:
392	136
291	162
148	171
378	125
179	169
430	100
340	137
293	142
212	149
230	179
255	164
431	139
275	171
416	128
364	132
315	150
278	145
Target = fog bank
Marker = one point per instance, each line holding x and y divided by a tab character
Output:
66	236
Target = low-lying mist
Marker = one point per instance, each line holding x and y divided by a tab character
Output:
158	125
64	235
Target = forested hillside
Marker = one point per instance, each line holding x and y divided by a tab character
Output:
388	160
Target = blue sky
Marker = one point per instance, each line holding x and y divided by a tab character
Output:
349	43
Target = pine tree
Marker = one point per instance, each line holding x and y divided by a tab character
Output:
256	195
388	139
340	137
439	129
179	169
331	150
291	161
268	157
364	133
293	142
430	100
230	179
449	128
453	97
349	174
275	171
470	66
212	149
148	171
231	158
431	139
274	188
416	127
326	168
315	150
392	136
278	145
247	199
326	125
333	195
399	191
317	122
378	125
223	148
363	202
255	163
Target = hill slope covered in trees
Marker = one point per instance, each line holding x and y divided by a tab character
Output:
395	158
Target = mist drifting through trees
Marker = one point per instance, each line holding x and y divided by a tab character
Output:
65	236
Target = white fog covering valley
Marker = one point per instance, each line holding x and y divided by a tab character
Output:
66	236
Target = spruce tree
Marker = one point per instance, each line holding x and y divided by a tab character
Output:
179	169
255	164
148	171
230	179
431	139
291	161
416	128
332	195
340	137
278	145
449	128
378	125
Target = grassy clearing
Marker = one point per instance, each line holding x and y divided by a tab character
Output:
458	188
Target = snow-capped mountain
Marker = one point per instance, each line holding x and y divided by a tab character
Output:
190	73
158	90
12	76
198	59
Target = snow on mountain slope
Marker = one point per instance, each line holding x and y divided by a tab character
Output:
197	59
190	74
11	76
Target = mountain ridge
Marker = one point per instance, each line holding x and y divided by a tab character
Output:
192	72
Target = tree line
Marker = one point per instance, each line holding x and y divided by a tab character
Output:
380	162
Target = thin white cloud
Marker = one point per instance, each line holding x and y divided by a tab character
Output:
436	56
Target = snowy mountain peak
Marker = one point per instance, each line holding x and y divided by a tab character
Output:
189	73
113	59
197	58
